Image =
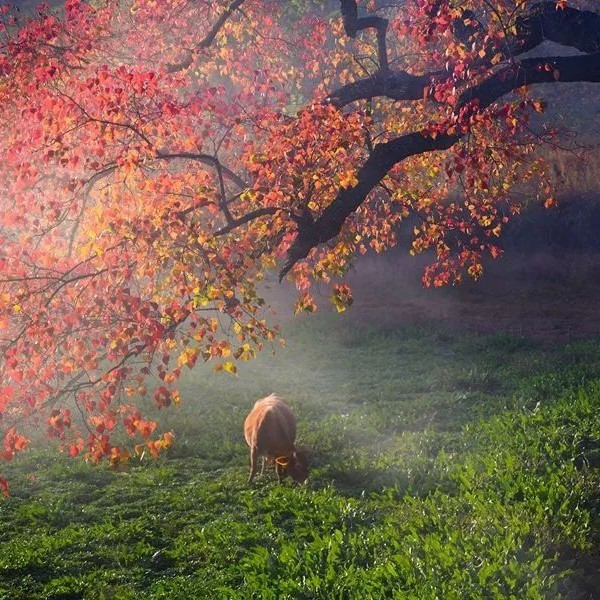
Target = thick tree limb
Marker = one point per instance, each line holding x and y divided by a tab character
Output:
567	27
386	155
531	71
376	167
353	24
397	85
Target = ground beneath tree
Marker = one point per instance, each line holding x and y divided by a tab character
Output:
543	296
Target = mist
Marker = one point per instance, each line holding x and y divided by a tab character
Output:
452	432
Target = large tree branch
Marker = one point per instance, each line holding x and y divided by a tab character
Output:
568	27
376	167
386	155
397	85
353	24
531	71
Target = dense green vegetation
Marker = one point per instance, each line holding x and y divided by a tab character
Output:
444	466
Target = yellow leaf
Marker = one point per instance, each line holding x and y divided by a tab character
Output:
188	357
348	179
339	306
230	368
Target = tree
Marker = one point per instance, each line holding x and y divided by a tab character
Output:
160	157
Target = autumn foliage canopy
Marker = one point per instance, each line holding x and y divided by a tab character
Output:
160	157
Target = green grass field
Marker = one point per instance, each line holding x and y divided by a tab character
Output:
443	466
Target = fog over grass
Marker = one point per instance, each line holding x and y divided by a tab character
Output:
444	464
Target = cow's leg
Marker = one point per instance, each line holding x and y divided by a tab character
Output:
253	465
264	462
280	470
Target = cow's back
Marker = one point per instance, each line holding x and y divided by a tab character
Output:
271	427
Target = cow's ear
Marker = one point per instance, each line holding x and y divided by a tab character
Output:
283	461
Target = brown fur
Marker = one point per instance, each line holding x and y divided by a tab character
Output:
270	431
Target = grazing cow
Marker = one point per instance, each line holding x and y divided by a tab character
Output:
270	431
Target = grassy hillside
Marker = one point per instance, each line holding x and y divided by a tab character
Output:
443	466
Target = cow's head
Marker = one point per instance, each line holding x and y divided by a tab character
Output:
295	465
